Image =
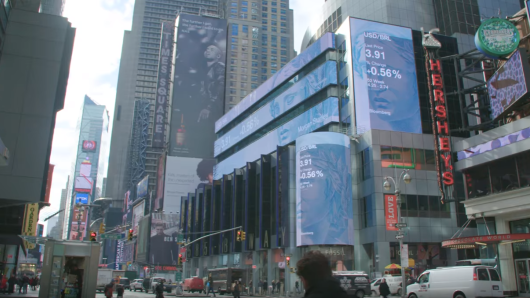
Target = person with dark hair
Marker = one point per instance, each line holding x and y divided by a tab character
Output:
384	289
162	249
315	273
205	170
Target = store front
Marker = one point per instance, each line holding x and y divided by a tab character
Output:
521	255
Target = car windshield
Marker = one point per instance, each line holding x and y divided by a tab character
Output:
124	281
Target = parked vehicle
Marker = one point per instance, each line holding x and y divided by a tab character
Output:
125	283
137	285
476	262
104	278
394	283
222	278
457	282
194	284
356	283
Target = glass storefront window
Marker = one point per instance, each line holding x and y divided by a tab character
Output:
521	250
407	158
523	166
503	175
477	180
425	256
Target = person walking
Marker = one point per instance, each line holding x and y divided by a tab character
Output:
297	287
25	283
237	290
159	290
315	273
209	286
264	285
109	288
12	282
120	291
384	289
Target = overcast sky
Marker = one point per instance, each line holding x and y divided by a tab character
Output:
94	71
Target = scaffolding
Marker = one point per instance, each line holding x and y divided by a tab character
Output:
138	145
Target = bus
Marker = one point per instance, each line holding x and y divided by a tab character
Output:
223	278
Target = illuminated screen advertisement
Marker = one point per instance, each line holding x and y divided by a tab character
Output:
198	85
509	84
284	102
163	239
184	175
141	188
384	77
327	41
312	119
324	211
81	198
138	213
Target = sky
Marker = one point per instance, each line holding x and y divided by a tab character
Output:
100	25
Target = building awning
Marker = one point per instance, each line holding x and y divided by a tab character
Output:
478	241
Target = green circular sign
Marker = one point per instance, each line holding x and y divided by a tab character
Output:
497	38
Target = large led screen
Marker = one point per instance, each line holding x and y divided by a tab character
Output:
509	84
184	175
324	43
198	85
312	119
384	78
324	211
284	102
163	243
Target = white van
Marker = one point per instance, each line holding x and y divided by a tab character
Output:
457	282
394	283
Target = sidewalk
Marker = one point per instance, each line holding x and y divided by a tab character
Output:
32	294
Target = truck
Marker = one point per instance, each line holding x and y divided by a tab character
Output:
104	278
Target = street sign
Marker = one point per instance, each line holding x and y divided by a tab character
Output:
400	236
178	276
401	225
180	238
112	236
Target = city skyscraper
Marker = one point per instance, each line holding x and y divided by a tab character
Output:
137	81
55	7
88	171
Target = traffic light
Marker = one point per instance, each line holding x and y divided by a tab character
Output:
180	259
93	236
238	238
130	235
101	228
288	260
243	236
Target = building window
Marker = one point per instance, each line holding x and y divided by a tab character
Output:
264	28
264	70
243	92
244	29
283	5
233	10
273	16
274	64
264	8
234	4
264	15
244	42
367	209
273	3
264	50
244	3
263	78
244	85
273	71
263	2
274	10
274	29
264	63
283	11
253	86
244	9
283	18
243	16
254	17
233	61
273	58
254	78
233	68
235	29
254	50
254	4
233	83
234	40
283	24
254	63
233	91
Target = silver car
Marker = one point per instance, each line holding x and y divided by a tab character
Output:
137	285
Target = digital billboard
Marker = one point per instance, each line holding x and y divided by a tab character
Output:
324	210
327	41
162	86
284	102
312	119
494	144
163	241
81	198
141	188
137	215
83	184
509	85
184	175
198	85
384	78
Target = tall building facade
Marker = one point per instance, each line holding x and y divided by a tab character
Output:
261	42
55	7
60	221
88	170
137	81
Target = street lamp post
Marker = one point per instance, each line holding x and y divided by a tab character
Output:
387	186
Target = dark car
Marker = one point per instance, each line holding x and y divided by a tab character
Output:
125	283
356	283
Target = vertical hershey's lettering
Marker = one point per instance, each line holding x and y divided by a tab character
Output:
440	128
162	88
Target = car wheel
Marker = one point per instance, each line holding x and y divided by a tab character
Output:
459	295
413	296
399	292
359	294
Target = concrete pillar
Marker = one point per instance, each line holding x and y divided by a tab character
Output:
506	261
382	249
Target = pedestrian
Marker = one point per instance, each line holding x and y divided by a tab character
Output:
25	283
264	285
278	286
109	288
272	287
384	290
120	291
209	285
297	287
315	273
3	285
237	290
12	282
159	290
250	288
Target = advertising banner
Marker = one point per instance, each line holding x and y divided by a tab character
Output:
85	169
494	144
78	232
141	188
286	101
160	174
83	184
391	212
327	41
384	78
138	213
316	117
198	85
89	146
509	84
162	86
163	242
324	210
31	218
184	175
142	239
81	198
